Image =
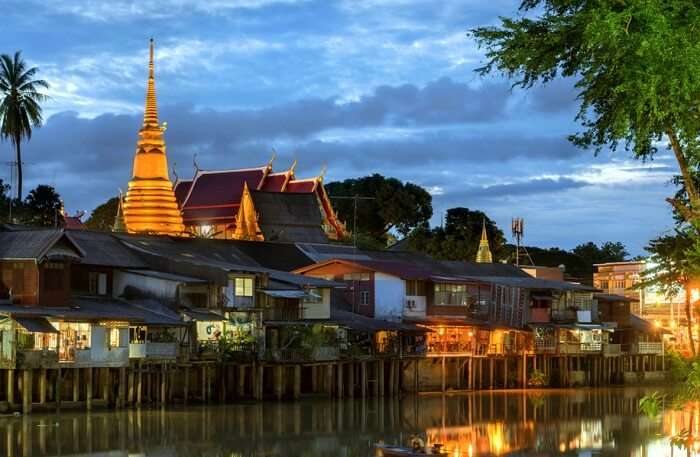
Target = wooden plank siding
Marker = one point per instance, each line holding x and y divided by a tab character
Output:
22	277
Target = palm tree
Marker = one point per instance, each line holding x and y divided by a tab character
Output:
19	104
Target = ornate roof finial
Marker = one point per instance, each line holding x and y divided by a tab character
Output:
324	169
150	116
483	254
175	171
194	162
293	167
272	159
119	225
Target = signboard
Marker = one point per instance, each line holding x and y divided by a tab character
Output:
209	330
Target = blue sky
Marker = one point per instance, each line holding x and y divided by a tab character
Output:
364	86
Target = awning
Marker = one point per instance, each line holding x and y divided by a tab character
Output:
285	293
36	324
203	315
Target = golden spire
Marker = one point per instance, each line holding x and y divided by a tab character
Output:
150	205
150	115
483	255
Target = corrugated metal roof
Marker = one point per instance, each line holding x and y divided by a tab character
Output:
104	249
166	276
28	244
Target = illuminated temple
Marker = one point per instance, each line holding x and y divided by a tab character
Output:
150	205
250	203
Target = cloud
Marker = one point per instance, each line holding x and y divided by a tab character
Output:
523	188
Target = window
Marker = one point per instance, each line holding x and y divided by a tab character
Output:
415	288
314	296
451	294
243	287
620	284
97	283
364	297
356	277
112	338
604	284
53	275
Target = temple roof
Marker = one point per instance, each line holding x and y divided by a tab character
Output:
289	216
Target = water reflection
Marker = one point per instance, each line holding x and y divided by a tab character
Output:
577	422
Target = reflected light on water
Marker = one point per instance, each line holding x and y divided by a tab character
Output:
602	422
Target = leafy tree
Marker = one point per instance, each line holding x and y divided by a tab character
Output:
394	205
44	205
672	269
636	66
20	109
459	238
102	217
590	254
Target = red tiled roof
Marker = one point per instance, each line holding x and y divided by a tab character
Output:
217	188
301	186
182	188
74	223
274	182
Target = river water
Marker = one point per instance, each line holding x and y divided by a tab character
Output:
575	422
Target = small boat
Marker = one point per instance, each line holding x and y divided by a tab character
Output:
387	450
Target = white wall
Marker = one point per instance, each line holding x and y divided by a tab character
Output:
161	288
318	310
389	293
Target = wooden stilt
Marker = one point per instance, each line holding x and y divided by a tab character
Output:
163	384
314	378
88	388
131	387
375	386
351	380
491	362
443	375
139	384
27	391
392	374
329	379
10	387
339	387
380	377
42	386
58	389
278	379
297	382
363	379
241	381
122	387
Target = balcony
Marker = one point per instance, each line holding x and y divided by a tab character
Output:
319	354
151	350
612	350
37	358
646	348
580	348
92	357
545	346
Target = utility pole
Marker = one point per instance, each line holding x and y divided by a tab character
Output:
355	198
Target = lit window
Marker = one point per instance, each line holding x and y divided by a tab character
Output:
244	287
113	338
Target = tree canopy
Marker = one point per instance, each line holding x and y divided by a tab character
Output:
393	206
102	217
44	206
459	238
636	67
20	105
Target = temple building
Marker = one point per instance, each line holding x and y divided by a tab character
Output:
150	205
248	203
258	204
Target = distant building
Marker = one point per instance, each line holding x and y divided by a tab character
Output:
551	273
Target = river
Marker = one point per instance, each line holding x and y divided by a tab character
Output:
575	422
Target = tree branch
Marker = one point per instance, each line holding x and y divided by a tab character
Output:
683	165
685	211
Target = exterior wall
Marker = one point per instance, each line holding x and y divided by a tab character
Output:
552	273
80	278
337	271
161	288
25	285
54	297
389	296
618	278
318	310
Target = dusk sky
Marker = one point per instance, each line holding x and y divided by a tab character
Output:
365	86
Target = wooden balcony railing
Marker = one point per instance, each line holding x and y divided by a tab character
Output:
646	348
612	349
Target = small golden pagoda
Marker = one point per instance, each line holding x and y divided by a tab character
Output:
483	255
150	205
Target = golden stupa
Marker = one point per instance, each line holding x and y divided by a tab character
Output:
150	205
